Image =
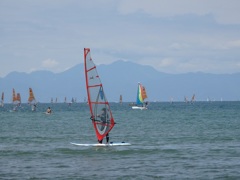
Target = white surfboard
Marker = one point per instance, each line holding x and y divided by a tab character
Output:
103	145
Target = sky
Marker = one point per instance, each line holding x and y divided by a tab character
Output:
173	36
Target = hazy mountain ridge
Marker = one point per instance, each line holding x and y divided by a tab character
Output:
121	77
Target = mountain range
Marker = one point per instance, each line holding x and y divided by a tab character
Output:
121	78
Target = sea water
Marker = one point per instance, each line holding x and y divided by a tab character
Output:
169	141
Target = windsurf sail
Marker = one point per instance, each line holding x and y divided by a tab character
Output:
120	99
141	94
193	98
101	114
31	98
19	98
16	98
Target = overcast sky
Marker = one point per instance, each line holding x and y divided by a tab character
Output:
173	36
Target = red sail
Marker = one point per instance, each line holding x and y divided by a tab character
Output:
101	114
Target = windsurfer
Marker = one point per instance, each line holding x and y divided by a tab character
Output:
34	107
104	116
49	111
107	139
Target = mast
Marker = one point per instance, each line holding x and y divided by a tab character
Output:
97	100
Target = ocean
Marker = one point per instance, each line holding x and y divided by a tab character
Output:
169	141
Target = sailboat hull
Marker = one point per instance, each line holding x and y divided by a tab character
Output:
138	107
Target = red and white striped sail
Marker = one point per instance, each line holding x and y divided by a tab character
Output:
97	100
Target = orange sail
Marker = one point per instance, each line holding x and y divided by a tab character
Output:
144	93
16	98
31	98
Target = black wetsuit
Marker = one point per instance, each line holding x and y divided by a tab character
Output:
107	139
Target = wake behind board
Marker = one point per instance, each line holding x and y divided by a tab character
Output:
103	145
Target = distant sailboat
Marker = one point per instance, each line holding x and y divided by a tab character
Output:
16	99
31	99
141	96
193	98
2	100
72	101
19	98
120	99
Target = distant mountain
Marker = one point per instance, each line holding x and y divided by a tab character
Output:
121	77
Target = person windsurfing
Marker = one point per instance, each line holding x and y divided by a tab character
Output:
104	118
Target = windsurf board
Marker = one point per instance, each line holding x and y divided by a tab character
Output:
103	145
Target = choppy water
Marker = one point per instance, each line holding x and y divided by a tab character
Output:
169	141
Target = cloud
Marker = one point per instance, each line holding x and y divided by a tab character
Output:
226	12
49	63
169	35
233	44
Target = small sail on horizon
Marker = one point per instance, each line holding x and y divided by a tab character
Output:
2	99
31	99
16	98
19	98
97	100
120	99
193	98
